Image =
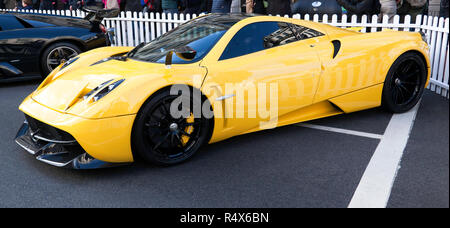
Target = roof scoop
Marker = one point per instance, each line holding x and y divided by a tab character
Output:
119	57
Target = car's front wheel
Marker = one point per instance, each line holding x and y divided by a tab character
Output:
405	83
162	139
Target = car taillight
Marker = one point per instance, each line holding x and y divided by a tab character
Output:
102	28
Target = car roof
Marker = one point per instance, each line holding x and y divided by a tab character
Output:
222	18
245	18
54	20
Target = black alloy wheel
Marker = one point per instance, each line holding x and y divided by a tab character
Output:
405	83
161	139
56	54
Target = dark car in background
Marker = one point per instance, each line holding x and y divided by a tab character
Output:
32	45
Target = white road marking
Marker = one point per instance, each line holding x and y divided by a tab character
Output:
378	179
339	130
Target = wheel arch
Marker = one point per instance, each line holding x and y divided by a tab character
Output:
423	56
166	88
425	60
79	43
386	101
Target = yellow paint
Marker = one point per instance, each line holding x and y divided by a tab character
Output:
359	100
310	84
107	139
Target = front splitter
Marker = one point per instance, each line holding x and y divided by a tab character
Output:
59	154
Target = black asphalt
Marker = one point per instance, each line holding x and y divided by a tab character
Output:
371	121
423	179
285	167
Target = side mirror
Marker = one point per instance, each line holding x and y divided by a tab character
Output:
185	53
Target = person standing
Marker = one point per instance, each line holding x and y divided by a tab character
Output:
90	3
206	6
444	9
169	6
18	4
389	8
221	6
9	4
60	4
360	7
112	4
235	6
193	6
36	4
26	5
74	4
255	7
411	7
279	7
151	6
249	6
47	5
133	5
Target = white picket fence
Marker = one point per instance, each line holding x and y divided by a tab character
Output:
132	28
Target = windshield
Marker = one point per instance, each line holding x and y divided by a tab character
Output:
200	34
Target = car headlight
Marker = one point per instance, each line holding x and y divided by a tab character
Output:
70	61
103	89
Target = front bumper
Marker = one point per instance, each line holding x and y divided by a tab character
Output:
107	139
56	147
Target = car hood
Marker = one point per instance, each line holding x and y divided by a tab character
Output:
64	90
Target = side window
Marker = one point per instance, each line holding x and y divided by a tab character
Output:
10	23
305	33
257	37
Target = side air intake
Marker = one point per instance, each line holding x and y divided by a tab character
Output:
337	47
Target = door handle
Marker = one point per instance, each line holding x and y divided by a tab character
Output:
312	45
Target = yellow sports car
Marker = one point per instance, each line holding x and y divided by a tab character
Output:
213	78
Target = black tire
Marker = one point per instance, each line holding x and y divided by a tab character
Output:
57	52
405	83
156	142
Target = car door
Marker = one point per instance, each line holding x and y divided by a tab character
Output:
346	66
17	51
263	57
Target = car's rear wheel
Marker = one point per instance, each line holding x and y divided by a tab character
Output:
57	53
405	83
161	139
